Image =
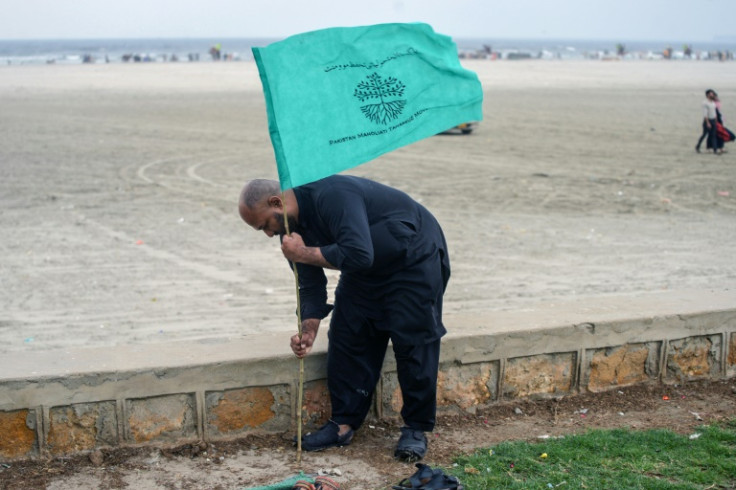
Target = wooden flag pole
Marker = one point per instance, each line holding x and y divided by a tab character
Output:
300	389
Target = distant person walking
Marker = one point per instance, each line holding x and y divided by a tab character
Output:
710	118
723	134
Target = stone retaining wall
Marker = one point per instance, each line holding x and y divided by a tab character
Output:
62	415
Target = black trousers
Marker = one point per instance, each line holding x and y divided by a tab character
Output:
711	134
354	360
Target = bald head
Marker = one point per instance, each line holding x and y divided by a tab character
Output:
262	206
257	191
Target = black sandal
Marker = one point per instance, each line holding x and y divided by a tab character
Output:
326	437
422	476
412	445
428	479
443	482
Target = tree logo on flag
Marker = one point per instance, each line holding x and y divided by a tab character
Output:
384	110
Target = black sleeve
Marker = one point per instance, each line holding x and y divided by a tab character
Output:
313	292
344	212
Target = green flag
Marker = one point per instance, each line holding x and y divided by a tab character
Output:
340	97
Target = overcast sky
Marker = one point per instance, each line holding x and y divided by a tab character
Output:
674	20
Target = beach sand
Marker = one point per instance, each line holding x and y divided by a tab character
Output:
119	183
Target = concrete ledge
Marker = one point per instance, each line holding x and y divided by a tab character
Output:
58	403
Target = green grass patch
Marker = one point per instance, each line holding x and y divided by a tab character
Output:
608	459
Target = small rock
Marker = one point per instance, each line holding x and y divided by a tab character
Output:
337	471
153	458
518	411
96	457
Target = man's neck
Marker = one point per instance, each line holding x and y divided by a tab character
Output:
292	204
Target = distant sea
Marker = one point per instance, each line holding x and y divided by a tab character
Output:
239	49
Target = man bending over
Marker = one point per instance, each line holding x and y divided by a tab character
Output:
394	268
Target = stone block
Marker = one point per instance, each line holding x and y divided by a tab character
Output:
543	374
17	434
240	410
163	418
693	358
467	386
460	387
731	360
621	366
391	401
82	427
316	406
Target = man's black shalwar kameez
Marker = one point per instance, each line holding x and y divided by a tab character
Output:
394	269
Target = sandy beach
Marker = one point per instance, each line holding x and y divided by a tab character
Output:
119	182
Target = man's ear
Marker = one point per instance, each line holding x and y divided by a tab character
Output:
275	202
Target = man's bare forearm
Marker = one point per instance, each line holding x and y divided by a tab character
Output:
310	326
295	250
313	256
